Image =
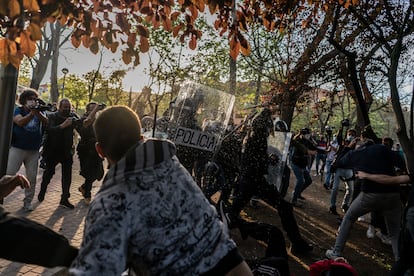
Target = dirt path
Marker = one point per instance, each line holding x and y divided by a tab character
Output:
318	226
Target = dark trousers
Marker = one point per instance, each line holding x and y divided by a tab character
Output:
251	185
66	175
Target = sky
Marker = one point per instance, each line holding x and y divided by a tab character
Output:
80	61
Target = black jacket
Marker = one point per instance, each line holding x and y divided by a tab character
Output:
23	240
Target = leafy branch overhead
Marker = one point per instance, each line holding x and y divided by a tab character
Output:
122	24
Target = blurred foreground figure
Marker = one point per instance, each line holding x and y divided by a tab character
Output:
149	214
26	241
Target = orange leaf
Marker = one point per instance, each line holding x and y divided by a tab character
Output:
176	29
4	52
167	24
12	47
75	41
132	39
14	8
193	43
31	5
142	31
136	61
143	44
114	46
86	41
15	60
35	31
126	57
27	46
234	48
94	45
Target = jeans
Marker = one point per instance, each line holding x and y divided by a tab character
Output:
66	175
387	203
328	174
320	157
303	180
349	184
30	159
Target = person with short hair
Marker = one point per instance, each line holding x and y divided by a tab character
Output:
58	148
149	214
26	140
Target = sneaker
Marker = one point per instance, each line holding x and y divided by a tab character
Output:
332	255
41	196
384	238
333	211
326	186
344	208
361	219
301	197
370	232
28	207
87	200
66	204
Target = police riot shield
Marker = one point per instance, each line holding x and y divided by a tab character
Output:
278	149
199	116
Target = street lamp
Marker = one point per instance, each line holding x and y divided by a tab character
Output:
64	71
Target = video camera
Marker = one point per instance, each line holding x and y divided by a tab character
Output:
40	105
345	123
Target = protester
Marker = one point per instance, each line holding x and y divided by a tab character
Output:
26	241
26	139
375	158
302	149
320	155
91	167
149	213
254	166
58	148
332	148
406	248
342	174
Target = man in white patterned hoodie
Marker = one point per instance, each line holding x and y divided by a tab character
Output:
149	215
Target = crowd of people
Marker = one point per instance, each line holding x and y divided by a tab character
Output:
154	213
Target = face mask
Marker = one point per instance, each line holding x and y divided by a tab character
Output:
30	103
307	136
350	138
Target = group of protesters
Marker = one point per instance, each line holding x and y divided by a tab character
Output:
154	215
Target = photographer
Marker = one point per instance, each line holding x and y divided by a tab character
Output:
26	140
57	148
91	167
342	174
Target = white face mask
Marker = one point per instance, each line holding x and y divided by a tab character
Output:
30	103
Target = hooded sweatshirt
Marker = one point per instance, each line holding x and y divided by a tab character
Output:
150	215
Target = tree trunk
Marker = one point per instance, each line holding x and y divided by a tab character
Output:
54	89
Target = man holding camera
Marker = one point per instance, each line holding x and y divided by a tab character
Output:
58	148
26	140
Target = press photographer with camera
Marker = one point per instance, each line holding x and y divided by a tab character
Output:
91	167
26	139
343	174
58	148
